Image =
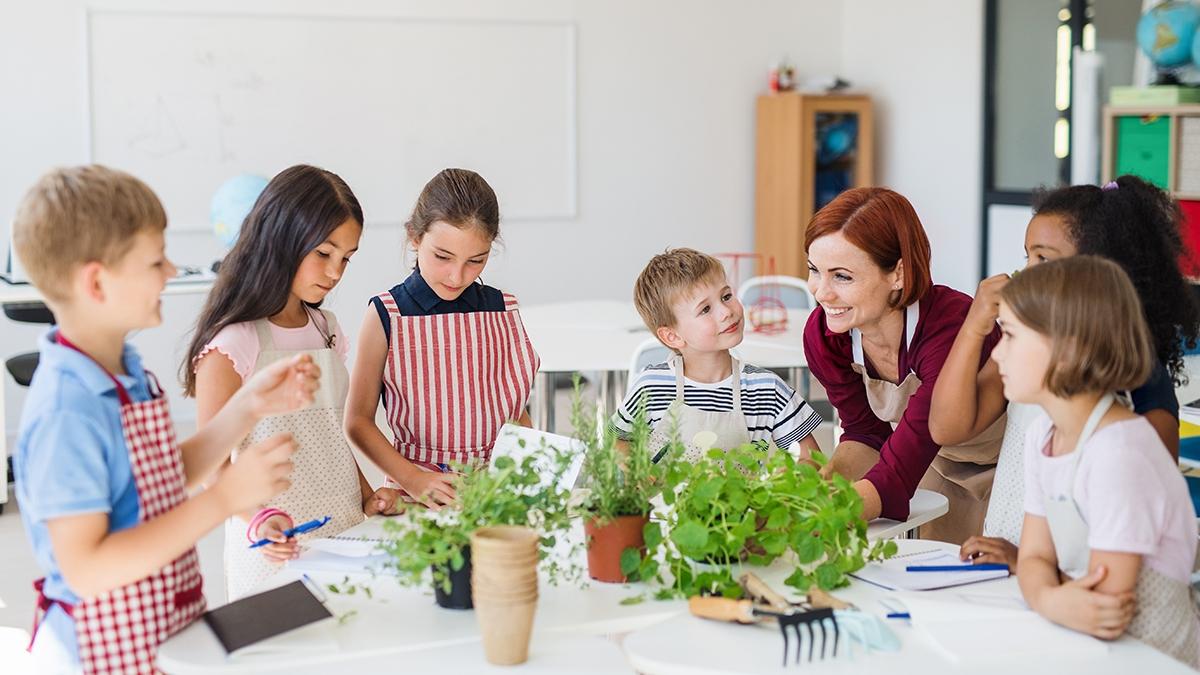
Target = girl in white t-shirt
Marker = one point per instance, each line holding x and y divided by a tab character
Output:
291	252
1109	540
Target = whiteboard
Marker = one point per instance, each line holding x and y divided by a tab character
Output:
185	101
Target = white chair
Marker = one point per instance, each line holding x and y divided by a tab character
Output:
651	351
792	291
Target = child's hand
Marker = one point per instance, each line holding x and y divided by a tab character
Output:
260	473
282	387
981	550
985	308
431	488
1076	605
283	548
384	500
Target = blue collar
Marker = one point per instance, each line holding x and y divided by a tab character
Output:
416	286
54	355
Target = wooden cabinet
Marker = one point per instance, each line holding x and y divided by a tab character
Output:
809	147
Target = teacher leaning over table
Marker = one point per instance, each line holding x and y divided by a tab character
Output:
876	342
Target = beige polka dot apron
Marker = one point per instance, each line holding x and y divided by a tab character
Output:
697	429
324	476
1167	616
1006	507
962	473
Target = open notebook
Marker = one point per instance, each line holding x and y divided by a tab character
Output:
891	574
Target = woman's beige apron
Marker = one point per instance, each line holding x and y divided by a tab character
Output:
1167	617
324	473
963	473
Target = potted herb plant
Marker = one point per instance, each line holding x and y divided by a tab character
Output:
620	479
509	492
752	506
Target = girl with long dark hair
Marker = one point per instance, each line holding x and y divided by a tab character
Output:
292	250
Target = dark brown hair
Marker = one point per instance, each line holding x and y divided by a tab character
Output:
884	224
293	215
457	197
1089	309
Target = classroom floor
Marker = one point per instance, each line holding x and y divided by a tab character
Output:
18	569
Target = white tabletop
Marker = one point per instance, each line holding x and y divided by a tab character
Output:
926	505
601	335
19	293
685	644
400	620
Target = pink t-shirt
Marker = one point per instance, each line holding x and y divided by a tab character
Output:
1128	488
239	342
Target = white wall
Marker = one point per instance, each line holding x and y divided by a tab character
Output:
666	132
666	138
922	62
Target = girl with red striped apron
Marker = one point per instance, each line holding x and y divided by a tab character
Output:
451	381
119	630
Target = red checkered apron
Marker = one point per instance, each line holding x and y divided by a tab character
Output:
119	631
452	380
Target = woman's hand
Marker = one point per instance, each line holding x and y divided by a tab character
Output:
282	548
981	550
1076	605
985	308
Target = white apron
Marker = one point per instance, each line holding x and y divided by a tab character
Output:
697	429
962	473
325	474
1167	617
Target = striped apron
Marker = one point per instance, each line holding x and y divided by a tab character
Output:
451	382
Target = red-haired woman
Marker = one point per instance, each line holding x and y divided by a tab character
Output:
877	342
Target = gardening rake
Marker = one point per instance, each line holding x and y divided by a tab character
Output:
793	622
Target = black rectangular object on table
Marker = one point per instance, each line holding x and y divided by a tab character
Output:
264	615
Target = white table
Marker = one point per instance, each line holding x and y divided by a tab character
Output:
398	622
601	336
924	507
11	294
685	644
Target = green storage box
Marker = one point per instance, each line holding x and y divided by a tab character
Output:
1143	147
1155	95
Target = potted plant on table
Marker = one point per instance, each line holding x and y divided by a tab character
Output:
752	506
509	492
619	481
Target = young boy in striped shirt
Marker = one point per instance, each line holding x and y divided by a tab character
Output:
685	299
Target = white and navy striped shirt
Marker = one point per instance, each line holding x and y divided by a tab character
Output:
773	410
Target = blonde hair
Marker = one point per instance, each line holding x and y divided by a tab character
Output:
1089	309
668	276
81	214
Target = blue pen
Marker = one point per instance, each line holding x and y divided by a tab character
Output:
984	567
299	529
899	615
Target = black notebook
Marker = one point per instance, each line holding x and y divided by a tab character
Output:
255	618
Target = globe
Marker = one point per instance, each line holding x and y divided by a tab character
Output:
231	203
1166	32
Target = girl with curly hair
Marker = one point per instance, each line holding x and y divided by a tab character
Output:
1137	226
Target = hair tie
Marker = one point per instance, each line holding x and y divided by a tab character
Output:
1110	185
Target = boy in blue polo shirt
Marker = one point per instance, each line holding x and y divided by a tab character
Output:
102	483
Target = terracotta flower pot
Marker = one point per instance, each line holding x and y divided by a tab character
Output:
459	596
607	542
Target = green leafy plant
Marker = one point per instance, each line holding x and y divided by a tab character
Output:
618	481
509	492
752	506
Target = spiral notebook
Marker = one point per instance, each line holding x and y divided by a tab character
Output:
891	573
